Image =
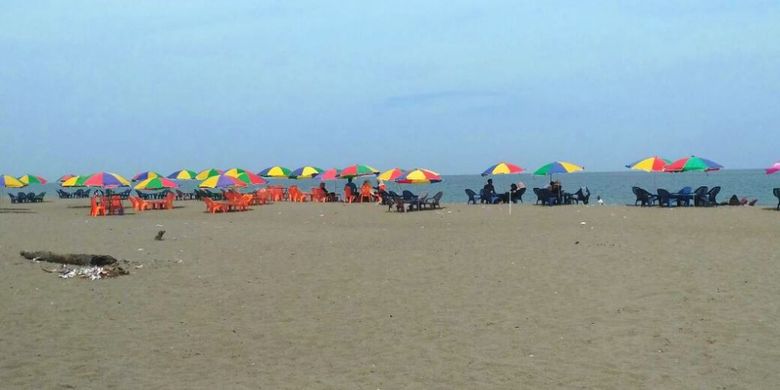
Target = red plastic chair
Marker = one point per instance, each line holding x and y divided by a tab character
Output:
349	197
97	208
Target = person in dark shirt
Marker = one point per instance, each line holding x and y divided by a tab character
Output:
352	186
488	192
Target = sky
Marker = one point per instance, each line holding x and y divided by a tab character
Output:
453	86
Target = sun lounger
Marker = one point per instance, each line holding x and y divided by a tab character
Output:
39	198
13	197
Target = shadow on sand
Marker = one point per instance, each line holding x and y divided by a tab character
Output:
16	211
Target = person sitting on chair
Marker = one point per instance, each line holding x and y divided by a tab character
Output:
513	193
352	187
329	196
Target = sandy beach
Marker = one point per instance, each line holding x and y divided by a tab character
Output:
332	296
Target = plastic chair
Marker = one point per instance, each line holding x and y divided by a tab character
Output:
349	197
365	194
96	208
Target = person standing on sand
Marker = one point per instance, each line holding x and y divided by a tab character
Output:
488	192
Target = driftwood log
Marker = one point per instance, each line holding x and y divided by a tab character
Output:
69	258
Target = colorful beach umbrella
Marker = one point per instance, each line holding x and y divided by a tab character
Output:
156	183
391	174
10	182
649	164
558	167
106	179
693	163
183	174
221	181
245	176
503	168
276	171
419	176
32	179
146	175
328	175
74	181
306	172
66	177
207	173
774	168
357	170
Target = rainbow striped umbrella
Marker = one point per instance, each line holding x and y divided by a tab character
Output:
693	163
10	182
221	181
66	177
106	179
156	183
32	179
419	176
503	168
650	164
558	167
774	168
75	181
356	170
276	171
207	173
146	175
183	174
245	176
391	174
306	172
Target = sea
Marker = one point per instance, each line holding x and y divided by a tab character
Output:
613	187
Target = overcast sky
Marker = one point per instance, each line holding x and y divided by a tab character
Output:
449	85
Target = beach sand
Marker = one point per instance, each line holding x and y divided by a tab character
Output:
332	296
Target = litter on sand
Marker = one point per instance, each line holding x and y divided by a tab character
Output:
92	273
